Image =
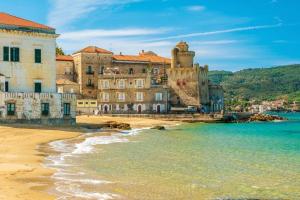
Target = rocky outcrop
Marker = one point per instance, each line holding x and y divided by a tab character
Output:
264	117
117	125
161	128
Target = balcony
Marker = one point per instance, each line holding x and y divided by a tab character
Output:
90	72
90	85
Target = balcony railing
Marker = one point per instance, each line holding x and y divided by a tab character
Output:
90	72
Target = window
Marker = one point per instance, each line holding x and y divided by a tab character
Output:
105	97
101	71
6	86
11	109
139	96
130	71
139	83
5	53
89	70
14	54
67	109
121	84
37	87
45	109
144	71
158	97
121	96
105	84
38	56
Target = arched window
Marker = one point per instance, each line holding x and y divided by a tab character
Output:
130	71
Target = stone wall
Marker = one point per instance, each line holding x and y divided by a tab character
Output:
28	107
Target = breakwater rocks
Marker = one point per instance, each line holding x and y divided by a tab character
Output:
264	118
161	128
117	125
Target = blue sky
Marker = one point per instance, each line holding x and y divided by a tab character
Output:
226	34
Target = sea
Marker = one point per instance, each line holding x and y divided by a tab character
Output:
235	161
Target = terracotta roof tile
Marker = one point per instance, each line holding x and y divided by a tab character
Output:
94	49
156	59
64	58
130	58
7	19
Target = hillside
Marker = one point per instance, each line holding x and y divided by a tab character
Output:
260	84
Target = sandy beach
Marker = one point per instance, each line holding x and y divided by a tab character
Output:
22	174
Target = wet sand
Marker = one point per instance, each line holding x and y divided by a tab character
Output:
22	174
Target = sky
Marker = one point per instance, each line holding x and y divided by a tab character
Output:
225	34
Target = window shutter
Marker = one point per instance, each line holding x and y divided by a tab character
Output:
17	54
5	53
38	55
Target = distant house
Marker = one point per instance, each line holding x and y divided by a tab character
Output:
28	74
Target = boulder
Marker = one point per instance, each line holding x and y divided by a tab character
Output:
161	128
264	117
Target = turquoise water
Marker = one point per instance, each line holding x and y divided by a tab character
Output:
200	161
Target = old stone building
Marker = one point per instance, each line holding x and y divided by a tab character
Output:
189	82
28	74
143	83
65	75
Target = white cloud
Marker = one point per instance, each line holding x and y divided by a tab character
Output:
219	32
64	12
195	8
100	33
215	42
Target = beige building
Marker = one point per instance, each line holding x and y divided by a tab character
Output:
65	75
143	83
28	74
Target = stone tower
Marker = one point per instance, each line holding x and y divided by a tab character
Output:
181	56
188	81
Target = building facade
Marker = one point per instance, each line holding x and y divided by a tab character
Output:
144	83
28	74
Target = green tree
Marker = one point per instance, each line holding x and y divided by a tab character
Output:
59	51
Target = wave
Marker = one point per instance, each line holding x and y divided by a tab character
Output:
69	183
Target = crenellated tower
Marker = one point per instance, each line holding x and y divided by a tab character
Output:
188	81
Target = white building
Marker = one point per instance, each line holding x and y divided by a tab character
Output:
28	74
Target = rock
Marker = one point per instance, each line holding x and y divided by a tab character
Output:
117	125
161	128
264	117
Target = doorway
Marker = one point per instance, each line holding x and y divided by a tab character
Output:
158	108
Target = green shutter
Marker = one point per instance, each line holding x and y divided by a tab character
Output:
38	55
5	53
37	87
17	54
14	54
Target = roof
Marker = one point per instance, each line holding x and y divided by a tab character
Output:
7	19
156	59
64	58
94	49
65	82
142	58
130	58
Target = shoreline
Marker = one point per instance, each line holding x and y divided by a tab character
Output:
23	172
22	175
